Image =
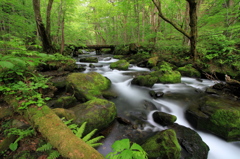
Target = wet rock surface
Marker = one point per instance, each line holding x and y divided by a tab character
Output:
192	144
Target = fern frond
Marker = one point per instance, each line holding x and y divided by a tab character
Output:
54	154
80	130
96	144
45	147
89	135
94	140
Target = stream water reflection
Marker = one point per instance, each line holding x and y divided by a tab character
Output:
175	101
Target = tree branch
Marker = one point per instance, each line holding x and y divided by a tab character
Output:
157	4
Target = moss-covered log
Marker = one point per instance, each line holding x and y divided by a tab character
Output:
57	133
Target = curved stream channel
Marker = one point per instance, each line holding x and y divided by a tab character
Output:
175	101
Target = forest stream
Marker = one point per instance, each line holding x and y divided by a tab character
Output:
176	99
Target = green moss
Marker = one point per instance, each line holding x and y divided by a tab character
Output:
147	80
153	61
98	113
189	71
88	85
118	56
121	65
163	145
170	77
89	59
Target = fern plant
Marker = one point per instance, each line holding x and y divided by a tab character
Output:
123	149
78	131
48	147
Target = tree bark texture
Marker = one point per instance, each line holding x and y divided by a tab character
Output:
48	20
193	26
56	132
47	47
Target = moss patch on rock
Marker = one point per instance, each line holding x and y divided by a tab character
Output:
163	145
120	65
89	59
170	77
189	71
217	115
147	80
87	86
98	113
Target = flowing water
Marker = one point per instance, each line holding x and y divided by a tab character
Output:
176	99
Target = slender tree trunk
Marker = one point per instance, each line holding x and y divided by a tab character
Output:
47	47
48	21
193	25
63	41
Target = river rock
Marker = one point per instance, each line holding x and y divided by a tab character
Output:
86	86
189	71
164	119
98	113
144	80
91	65
167	77
155	94
218	115
147	105
120	65
192	144
163	145
89	59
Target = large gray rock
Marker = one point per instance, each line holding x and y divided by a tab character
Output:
192	144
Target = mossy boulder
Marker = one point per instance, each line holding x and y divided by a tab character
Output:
146	80
170	77
219	116
98	113
87	86
192	144
120	65
89	59
164	119
189	71
163	145
152	62
167	76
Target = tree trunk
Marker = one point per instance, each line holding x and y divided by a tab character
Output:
193	25
47	46
56	132
63	41
48	21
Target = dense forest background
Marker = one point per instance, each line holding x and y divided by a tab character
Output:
121	22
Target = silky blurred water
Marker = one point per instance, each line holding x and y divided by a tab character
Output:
175	101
